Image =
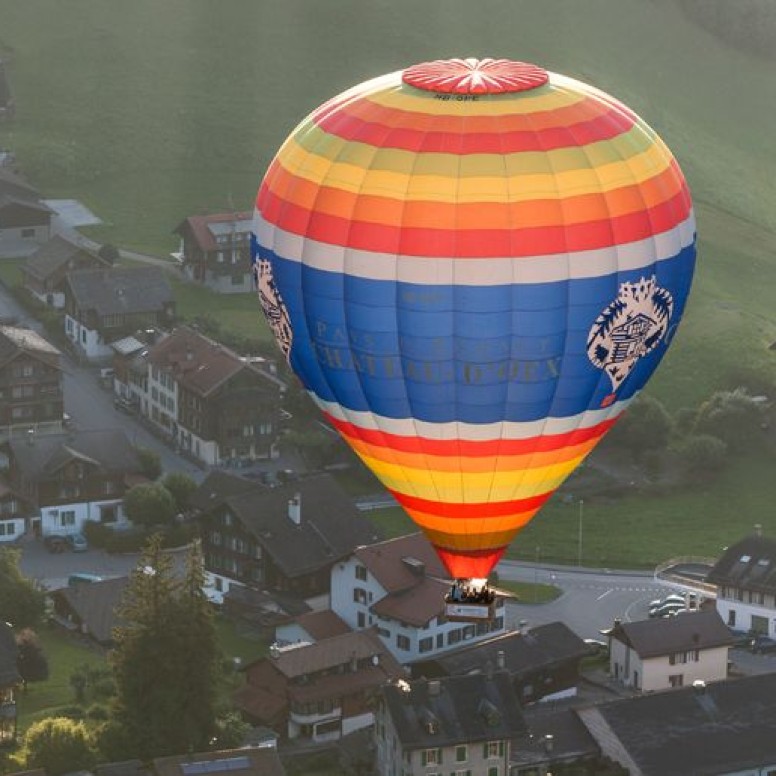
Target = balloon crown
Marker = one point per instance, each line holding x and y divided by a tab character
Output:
475	76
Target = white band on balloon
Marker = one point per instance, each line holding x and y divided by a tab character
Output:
472	431
476	271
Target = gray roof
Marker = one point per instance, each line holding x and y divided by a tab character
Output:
120	289
16	187
454	710
541	647
9	673
95	603
218	486
728	727
55	254
14	339
39	457
750	564
330	528
664	635
570	738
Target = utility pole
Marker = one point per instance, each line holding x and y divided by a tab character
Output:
579	546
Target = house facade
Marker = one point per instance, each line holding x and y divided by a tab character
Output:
399	586
31	393
71	478
43	273
284	539
25	221
745	576
104	305
669	652
214	404
14	513
320	691
215	251
458	725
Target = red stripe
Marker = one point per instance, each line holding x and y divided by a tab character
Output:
472	564
467	448
466	140
473	243
480	510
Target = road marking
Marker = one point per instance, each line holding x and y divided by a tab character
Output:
603	595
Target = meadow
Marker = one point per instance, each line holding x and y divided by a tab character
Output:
151	111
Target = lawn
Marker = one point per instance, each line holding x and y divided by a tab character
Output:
530	593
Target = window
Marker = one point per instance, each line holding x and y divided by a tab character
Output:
493	770
453	636
426	645
440	639
215	538
431	757
361	620
731	621
493	749
7	529
67	518
359	595
402	642
226	518
384	632
361	572
461	754
676	680
26	233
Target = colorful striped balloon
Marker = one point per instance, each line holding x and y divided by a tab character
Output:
473	266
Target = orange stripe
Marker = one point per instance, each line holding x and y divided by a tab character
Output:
481	510
390	211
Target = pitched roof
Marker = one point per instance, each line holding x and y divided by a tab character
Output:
14	339
415	605
454	710
263	761
571	740
95	604
40	456
9	673
727	727
120	289
17	187
55	254
322	625
329	529
523	653
125	768
203	228
220	485
386	561
703	629
750	564
199	363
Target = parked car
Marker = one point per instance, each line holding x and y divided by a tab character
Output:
125	405
77	542
676	599
761	645
82	578
55	543
668	609
597	647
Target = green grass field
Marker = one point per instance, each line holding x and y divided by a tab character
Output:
149	112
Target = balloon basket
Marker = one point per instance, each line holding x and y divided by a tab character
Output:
465	603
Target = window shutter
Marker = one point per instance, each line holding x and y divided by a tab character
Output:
423	758
485	750
439	756
500	748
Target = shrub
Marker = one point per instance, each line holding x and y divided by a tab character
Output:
97	712
97	534
59	745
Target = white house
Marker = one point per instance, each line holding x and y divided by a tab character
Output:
668	652
399	585
745	577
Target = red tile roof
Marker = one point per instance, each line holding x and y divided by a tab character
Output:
416	605
322	625
199	227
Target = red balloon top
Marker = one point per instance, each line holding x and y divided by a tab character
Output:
475	76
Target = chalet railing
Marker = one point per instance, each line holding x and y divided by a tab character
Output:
671	570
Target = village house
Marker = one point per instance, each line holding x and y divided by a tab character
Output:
215	251
14	513
90	608
31	393
214	404
399	585
248	761
458	725
104	305
667	652
10	680
43	273
745	576
543	662
72	478
318	691
710	729
25	221
286	538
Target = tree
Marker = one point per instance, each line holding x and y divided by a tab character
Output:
150	462
150	504
230	731
181	487
21	603
165	662
703	455
59	745
645	426
735	417
30	658
109	252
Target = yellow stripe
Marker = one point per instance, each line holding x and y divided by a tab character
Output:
460	488
520	183
546	98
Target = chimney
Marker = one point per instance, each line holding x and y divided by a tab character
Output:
699	686
189	354
295	509
434	687
501	662
758	529
274	651
30	436
549	743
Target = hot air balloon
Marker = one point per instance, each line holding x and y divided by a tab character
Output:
473	266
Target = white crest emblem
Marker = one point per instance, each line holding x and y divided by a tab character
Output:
632	326
272	303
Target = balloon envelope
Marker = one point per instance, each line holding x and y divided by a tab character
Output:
473	266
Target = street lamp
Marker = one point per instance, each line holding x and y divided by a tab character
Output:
581	513
536	575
